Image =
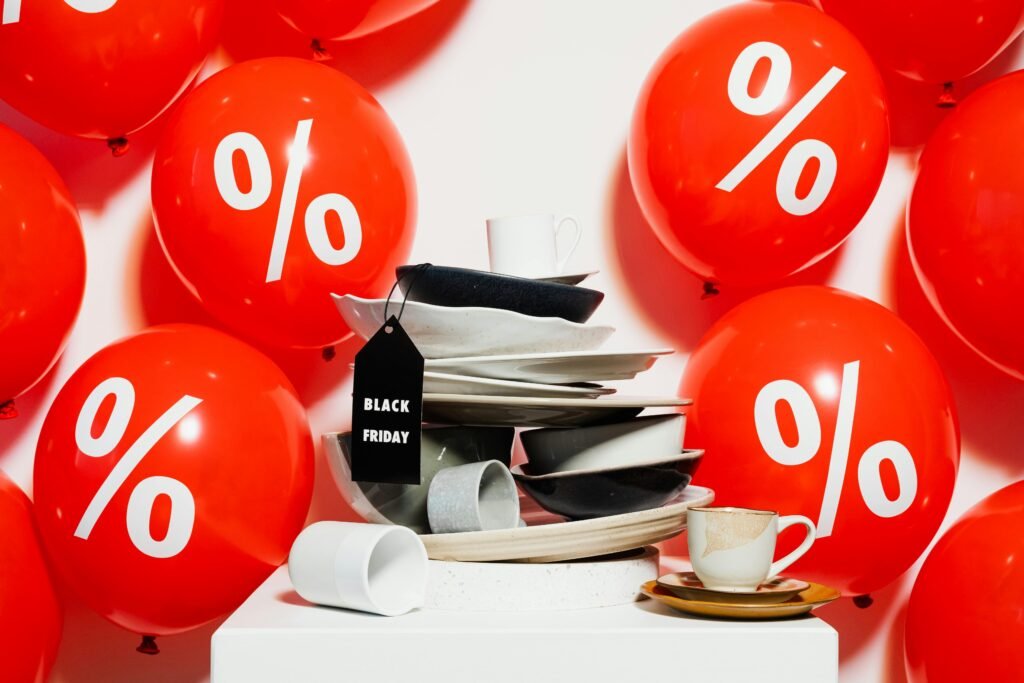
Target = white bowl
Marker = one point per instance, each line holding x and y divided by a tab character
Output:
618	444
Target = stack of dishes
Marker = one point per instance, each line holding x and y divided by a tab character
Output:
503	351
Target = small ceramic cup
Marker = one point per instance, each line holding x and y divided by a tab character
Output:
731	549
527	246
376	568
480	496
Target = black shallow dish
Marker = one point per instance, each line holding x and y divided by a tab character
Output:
585	494
459	287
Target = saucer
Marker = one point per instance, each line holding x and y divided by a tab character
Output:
567	278
801	603
686	585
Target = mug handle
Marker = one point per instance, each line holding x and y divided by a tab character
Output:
784	523
576	242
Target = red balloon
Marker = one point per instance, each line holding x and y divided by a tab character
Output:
965	222
982	555
814	401
936	43
30	629
758	142
173	472
278	182
42	265
336	19
102	68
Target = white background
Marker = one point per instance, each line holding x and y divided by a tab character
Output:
509	107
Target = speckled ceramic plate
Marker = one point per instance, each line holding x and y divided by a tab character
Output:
522	411
561	367
803	602
443	383
569	540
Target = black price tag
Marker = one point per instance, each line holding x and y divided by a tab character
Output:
387	408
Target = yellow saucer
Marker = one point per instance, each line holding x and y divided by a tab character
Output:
804	601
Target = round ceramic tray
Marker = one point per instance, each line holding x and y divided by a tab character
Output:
519	587
570	540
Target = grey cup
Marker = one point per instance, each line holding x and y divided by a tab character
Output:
480	496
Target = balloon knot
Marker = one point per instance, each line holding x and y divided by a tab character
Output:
8	411
710	290
118	146
148	646
320	52
947	100
863	601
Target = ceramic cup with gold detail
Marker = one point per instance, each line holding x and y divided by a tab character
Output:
732	548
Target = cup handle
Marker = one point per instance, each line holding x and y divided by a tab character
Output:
784	523
576	242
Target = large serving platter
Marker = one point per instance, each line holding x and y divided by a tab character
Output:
570	540
447	332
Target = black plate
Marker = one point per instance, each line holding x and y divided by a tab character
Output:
446	286
585	494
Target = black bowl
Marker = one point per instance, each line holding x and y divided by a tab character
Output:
459	287
585	494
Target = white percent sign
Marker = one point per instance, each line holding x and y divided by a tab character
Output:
771	96
12	8
808	427
144	495
262	182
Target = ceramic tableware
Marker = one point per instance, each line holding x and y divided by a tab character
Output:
607	445
527	246
585	494
445	332
522	411
553	542
802	603
368	567
405	504
569	278
731	548
443	383
558	367
446	286
687	585
480	496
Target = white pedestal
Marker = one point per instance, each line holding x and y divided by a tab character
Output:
276	636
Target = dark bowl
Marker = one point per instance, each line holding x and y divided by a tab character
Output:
459	287
585	494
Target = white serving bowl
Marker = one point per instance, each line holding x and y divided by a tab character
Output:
635	441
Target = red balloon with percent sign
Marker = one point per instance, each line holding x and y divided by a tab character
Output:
758	142
279	182
172	474
42	266
814	401
102	68
336	19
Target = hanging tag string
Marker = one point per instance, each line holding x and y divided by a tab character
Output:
413	274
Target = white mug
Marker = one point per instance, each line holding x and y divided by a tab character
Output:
378	568
731	549
527	246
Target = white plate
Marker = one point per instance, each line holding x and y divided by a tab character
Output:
568	278
521	411
441	383
570	540
558	367
446	332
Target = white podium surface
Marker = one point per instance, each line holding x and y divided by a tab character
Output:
276	636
